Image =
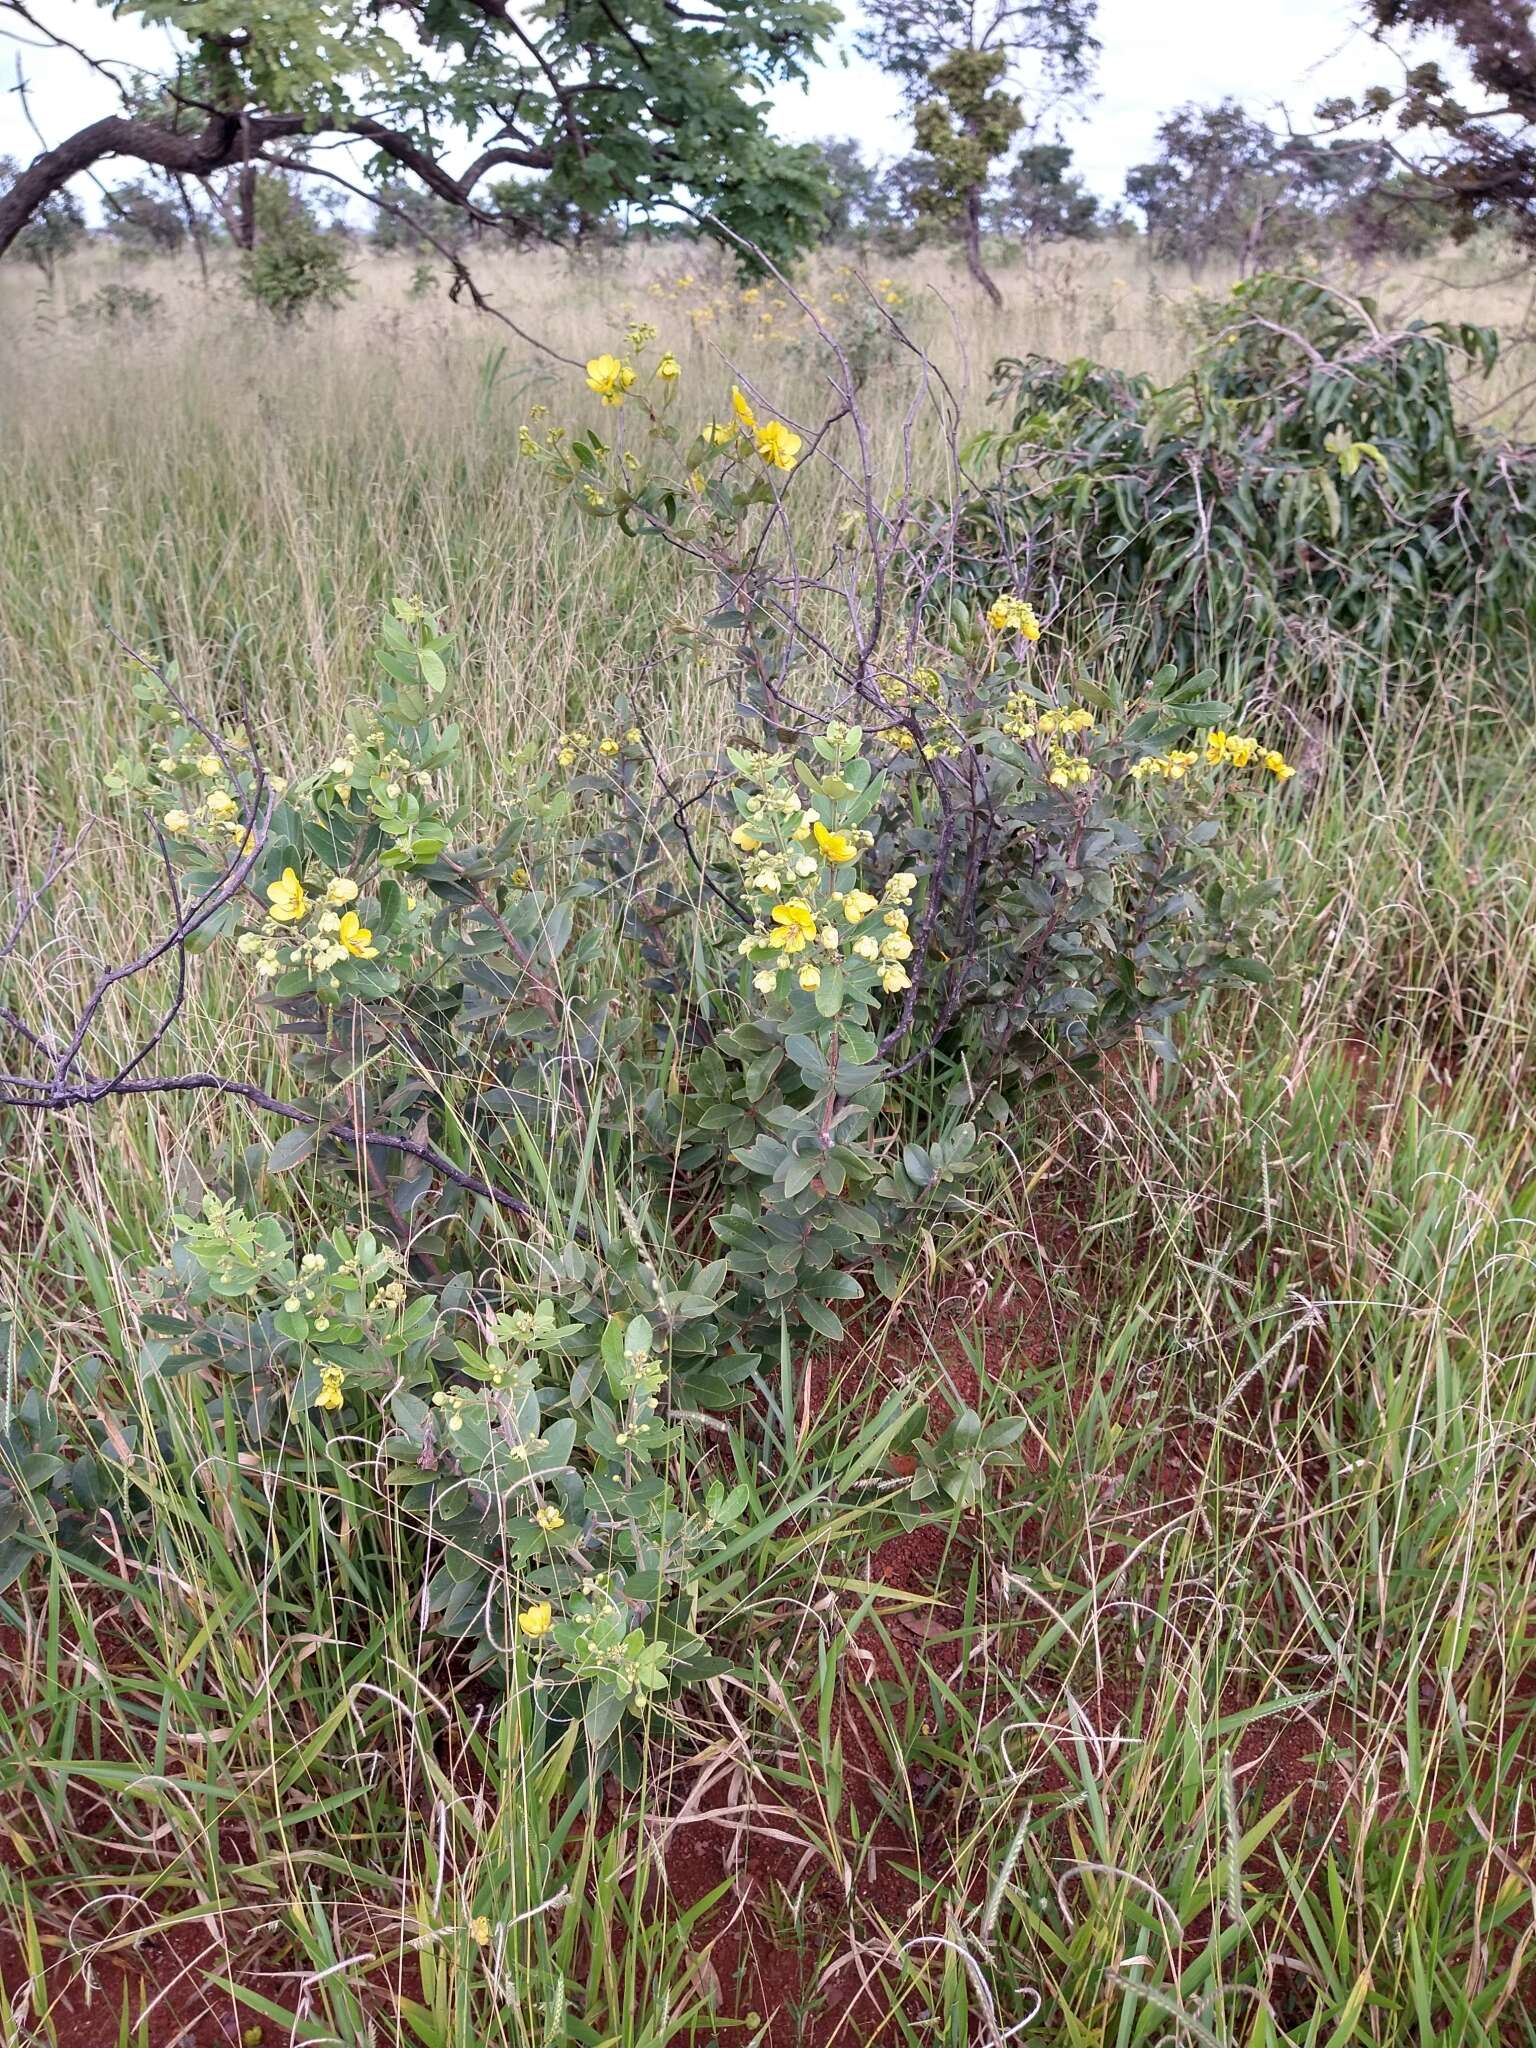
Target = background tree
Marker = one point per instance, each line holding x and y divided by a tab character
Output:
856	203
1212	189
1040	198
609	102
1480	161
412	222
295	265
1226	185
145	217
965	69
56	227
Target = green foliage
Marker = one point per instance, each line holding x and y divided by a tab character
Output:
54	229
115	305
1231	516
295	268
1225	184
962	129
626	108
144	217
835	979
1040	198
442	993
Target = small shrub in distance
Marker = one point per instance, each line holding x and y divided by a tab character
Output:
118	305
295	268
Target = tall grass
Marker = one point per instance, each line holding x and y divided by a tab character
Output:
1214	1725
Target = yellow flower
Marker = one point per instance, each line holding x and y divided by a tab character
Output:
1215	747
810	979
777	445
766	981
836	847
331	1377
609	378
895	979
222	805
867	947
1278	766
795	926
718	432
342	890
537	1620
209	764
669	369
745	841
1240	751
177	822
858	904
287	898
549	1519
354	937
608	746
900	887
1014	615
480	1930
742	410
897	947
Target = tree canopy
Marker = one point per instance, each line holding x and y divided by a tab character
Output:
594	104
1482	158
960	65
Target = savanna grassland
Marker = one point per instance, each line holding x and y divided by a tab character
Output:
1211	1720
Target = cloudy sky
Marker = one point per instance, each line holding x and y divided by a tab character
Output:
1278	54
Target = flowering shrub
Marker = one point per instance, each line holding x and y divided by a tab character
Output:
530	1441
884	908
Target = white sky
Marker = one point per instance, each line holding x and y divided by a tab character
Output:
1270	54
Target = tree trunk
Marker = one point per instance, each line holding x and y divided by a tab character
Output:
973	261
245	206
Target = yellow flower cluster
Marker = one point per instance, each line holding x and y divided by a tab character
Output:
795	927
1222	750
213	810
1013	615
1171	767
1234	750
332	1380
776	444
610	377
387	772
765	306
451	1403
573	747
705	309
337	934
1023	721
794	863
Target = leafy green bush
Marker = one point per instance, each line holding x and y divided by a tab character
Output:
295	268
114	305
1306	496
716	1057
